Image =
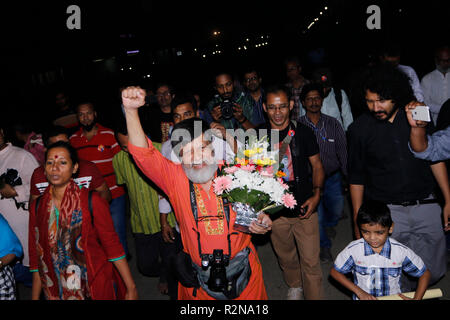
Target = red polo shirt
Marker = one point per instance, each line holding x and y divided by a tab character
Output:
100	150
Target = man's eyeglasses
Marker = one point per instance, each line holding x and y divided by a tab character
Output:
164	94
251	79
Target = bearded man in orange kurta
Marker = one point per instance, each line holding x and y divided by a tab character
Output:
206	223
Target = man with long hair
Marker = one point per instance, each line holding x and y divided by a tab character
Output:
382	167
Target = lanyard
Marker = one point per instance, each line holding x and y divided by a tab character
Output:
226	209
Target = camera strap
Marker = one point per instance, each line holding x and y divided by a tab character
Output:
226	208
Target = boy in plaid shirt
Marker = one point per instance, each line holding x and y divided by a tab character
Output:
376	260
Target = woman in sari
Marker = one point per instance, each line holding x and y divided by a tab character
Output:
75	253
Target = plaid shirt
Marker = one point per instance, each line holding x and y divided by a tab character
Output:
379	274
297	110
7	284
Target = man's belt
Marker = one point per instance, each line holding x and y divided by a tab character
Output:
413	202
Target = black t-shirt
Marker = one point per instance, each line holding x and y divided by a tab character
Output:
302	146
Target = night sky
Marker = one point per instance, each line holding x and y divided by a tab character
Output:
39	53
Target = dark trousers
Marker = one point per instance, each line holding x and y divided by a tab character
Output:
153	257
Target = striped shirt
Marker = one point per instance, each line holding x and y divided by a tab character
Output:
100	149
144	200
379	274
332	143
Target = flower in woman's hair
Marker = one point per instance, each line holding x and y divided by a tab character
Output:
231	170
222	184
289	200
249	168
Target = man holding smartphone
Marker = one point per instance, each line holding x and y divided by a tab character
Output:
381	167
435	147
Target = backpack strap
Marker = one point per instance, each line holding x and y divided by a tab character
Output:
338	98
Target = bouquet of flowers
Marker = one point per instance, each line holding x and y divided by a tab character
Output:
254	183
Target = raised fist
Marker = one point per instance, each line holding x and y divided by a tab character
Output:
133	97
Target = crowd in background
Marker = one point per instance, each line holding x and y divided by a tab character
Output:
363	150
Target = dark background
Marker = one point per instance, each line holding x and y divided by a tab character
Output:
39	53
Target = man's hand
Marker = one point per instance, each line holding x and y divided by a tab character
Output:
218	130
414	123
8	192
216	113
133	98
238	113
265	224
167	233
312	204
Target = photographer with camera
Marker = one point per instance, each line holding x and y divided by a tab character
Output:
16	167
229	107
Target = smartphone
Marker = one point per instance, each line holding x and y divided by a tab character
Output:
421	113
263	225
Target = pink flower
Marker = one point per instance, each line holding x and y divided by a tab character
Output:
289	200
268	172
231	170
221	184
284	185
248	168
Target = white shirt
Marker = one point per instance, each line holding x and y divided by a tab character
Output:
24	162
436	90
330	108
413	81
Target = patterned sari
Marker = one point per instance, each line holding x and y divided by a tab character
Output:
67	255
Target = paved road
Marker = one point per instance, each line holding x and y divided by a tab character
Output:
275	286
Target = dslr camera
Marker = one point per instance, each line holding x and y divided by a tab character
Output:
227	109
11	177
217	281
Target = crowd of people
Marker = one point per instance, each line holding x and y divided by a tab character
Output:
64	191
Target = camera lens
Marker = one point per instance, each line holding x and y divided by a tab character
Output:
227	109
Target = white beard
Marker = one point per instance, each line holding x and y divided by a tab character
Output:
202	175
